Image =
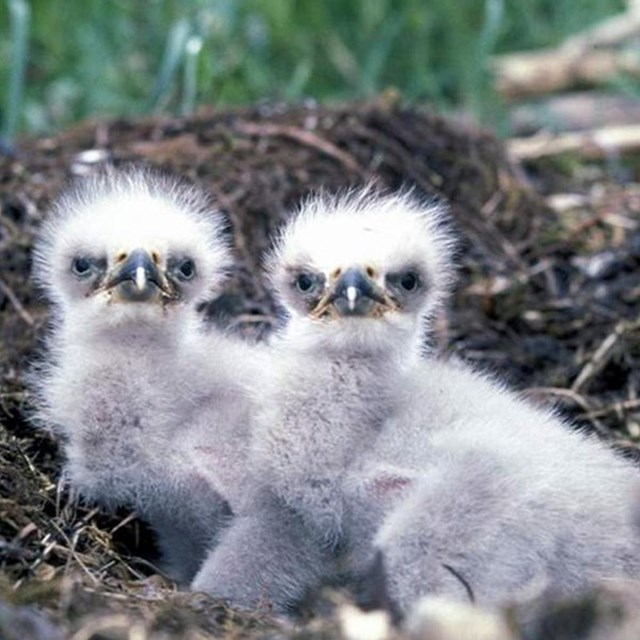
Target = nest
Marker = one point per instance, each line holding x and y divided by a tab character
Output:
548	298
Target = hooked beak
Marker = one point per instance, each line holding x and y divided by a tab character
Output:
354	294
138	279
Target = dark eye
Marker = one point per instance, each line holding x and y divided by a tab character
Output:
81	266
186	269
305	283
409	281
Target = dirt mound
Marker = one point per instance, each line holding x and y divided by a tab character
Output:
548	296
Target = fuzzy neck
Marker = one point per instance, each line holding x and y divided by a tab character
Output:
393	352
130	333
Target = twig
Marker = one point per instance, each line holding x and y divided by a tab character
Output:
616	407
71	549
304	137
522	75
597	143
570	394
13	299
602	354
42	477
125	521
577	399
85	519
110	623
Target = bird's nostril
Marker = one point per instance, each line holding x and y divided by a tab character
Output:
371	272
155	256
121	257
336	273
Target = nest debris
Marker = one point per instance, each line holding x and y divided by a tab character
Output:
549	298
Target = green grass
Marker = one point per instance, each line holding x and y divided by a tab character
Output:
88	58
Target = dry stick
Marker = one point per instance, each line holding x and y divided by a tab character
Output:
13	299
599	217
305	137
60	491
433	181
144	563
71	549
123	597
17	396
602	354
125	521
85	519
616	407
42	477
546	71
597	143
575	397
112	622
576	111
117	558
587	57
38	561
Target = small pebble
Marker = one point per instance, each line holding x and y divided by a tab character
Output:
600	265
437	618
356	624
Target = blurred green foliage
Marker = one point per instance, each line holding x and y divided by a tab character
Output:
90	58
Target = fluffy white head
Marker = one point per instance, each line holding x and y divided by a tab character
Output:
363	270
161	232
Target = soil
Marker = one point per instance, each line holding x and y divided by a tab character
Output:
549	298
